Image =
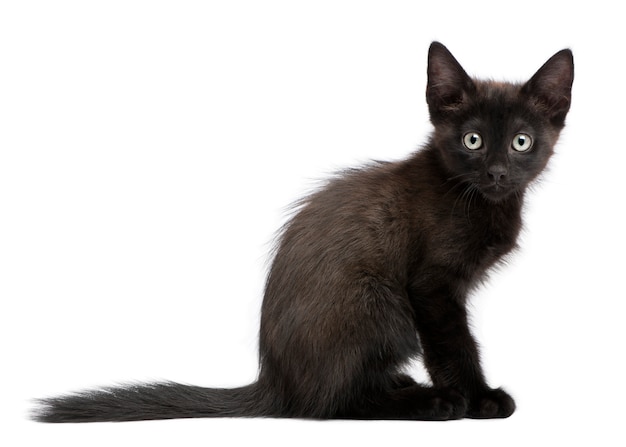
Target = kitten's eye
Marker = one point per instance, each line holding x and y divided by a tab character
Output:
473	141
522	142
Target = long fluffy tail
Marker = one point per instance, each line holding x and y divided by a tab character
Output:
151	401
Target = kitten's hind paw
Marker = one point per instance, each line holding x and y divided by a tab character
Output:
491	404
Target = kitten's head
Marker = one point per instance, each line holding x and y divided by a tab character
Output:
497	136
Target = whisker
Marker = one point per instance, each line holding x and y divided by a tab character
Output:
472	198
463	196
461	180
454	177
468	201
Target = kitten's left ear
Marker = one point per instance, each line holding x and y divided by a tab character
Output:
551	86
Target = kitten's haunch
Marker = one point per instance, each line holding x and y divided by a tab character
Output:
374	269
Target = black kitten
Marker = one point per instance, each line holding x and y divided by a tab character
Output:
375	268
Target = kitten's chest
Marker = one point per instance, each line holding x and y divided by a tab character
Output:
466	246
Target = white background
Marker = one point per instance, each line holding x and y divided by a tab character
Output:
149	149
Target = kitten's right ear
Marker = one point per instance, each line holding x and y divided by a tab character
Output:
448	83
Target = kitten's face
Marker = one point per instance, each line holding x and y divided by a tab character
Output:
497	137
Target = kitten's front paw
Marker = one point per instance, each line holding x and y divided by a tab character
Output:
447	404
491	404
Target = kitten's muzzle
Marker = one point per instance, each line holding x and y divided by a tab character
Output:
496	185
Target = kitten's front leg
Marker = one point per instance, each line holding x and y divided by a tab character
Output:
451	355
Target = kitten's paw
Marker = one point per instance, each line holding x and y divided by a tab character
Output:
491	404
447	404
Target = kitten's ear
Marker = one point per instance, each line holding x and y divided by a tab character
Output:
551	87
448	83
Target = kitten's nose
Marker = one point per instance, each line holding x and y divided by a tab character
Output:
497	172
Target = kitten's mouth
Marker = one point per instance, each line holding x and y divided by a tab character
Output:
496	192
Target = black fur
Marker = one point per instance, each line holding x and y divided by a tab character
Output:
375	268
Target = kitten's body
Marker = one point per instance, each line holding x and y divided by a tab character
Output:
343	315
374	269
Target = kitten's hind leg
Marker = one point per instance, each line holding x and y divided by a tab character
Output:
403	381
415	402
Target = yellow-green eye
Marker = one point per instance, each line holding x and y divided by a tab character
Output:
473	141
522	142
